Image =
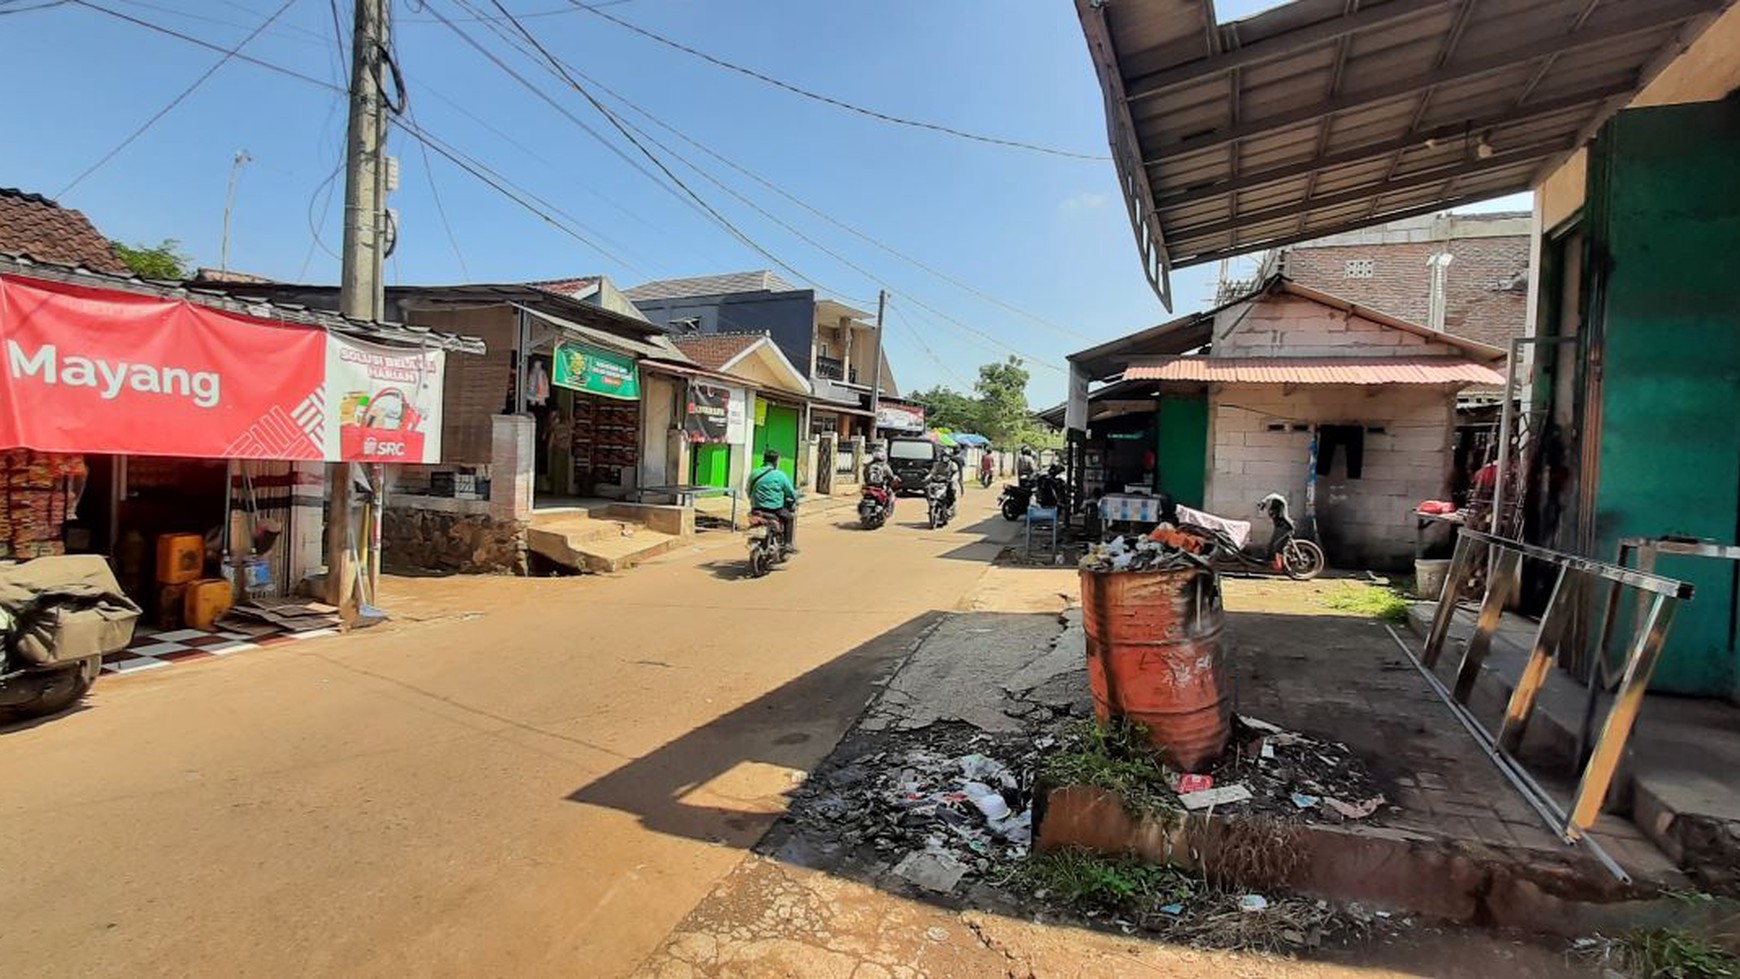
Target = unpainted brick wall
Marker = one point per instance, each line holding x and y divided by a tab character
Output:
1362	523
1486	288
1293	326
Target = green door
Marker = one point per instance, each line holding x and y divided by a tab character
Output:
712	464
1182	452
779	430
1664	205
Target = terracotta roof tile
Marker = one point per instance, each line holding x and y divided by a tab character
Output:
714	350
33	225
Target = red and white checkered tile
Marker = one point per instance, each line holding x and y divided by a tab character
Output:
152	650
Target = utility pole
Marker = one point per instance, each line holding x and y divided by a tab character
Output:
242	160
876	378
361	295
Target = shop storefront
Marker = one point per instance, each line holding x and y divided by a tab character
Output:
138	422
586	403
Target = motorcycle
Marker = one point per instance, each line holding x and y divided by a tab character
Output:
985	478
1015	499
876	504
1287	553
58	617
767	546
936	497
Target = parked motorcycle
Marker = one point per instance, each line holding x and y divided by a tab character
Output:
985	477
1287	553
876	504
58	617
767	545
936	499
1015	499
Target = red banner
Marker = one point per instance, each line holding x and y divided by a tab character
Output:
99	370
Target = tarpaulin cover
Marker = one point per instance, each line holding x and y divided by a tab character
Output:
106	371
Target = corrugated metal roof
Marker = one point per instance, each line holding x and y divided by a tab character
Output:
1322	115
1316	370
763	280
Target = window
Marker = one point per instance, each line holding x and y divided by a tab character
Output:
823	348
1359	268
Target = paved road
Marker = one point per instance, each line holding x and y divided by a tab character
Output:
517	777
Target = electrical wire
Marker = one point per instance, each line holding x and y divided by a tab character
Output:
828	100
283	31
631	132
231	53
49	4
820	213
441	209
928	352
177	100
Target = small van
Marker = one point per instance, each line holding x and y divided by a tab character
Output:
911	459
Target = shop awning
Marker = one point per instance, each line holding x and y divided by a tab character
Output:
1316	370
656	347
1321	116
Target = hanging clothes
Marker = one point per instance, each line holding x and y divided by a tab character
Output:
537	383
1350	437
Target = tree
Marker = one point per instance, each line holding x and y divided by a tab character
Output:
948	408
1003	413
161	261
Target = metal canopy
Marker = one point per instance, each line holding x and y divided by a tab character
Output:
1326	115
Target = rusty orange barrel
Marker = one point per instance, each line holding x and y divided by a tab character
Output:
1153	656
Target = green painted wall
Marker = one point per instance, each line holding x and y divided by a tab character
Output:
778	431
1665	210
1182	452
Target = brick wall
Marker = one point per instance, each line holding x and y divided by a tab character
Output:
1486	289
476	385
1259	442
1292	326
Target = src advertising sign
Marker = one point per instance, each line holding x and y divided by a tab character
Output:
707	416
388	401
900	418
100	370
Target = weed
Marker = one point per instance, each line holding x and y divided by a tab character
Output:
1118	758
1380	602
1666	954
1087	881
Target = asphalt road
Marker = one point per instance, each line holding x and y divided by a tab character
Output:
515	777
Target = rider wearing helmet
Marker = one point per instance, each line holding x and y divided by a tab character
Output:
772	494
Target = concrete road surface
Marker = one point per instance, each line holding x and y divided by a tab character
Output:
537	776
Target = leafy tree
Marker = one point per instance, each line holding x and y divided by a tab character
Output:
947	408
997	409
161	261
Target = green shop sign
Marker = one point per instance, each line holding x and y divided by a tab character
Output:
595	371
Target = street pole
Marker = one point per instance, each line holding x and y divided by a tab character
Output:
242	160
360	292
876	379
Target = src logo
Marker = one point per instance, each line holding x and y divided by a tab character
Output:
373	446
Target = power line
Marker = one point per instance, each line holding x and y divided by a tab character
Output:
231	53
630	131
824	215
828	100
41	6
189	90
283	31
928	352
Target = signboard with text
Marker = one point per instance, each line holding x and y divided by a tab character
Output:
706	415
900	418
388	401
582	367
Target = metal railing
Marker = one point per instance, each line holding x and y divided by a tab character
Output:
1659	598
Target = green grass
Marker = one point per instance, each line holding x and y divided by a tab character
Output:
1088	881
1666	954
1117	758
1380	602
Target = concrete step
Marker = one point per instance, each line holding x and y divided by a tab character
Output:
584	528
599	554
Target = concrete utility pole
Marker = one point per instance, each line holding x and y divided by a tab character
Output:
361	293
242	160
876	377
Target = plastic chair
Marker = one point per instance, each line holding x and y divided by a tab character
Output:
1046	516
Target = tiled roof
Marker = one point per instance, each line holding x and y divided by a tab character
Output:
33	225
714	350
572	288
710	285
1316	370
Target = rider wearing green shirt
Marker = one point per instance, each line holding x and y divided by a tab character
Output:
771	492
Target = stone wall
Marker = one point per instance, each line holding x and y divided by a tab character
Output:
415	540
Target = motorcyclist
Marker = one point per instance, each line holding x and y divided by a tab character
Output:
1026	466
772	494
987	468
1048	489
879	472
958	459
945	471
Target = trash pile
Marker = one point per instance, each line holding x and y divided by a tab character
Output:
1286	776
938	814
1165	549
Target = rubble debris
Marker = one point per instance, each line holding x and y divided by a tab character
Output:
1194	783
1304	801
1133	553
1352	810
1225	795
1253	902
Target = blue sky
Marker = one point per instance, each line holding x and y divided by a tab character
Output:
1042	233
